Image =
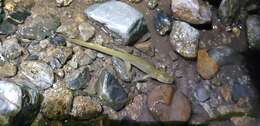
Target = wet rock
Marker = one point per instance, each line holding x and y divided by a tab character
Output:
77	79
10	49
7	70
162	22
40	121
57	101
18	15
146	47
85	108
162	94
11	101
58	40
38	73
62	3
86	31
184	39
253	31
7	28
69	29
225	55
207	67
228	10
138	110
110	91
30	106
35	50
82	58
151	4
120	68
56	57
202	94
175	109
128	26
192	11
39	27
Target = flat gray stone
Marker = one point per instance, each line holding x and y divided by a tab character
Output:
127	26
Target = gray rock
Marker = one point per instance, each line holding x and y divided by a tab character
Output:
58	40
39	27
38	73
228	10
7	70
56	57
202	94
184	39
110	91
69	28
86	31
127	26
85	108
120	68
7	28
77	79
225	55
57	101
162	22
10	49
62	3
10	100
192	11
82	58
253	31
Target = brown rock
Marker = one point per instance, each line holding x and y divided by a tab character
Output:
7	70
206	66
167	107
85	108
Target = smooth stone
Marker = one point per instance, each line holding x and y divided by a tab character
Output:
184	39
10	100
85	108
162	22
7	70
38	73
77	79
110	91
253	31
58	40
86	31
7	28
39	27
10	49
207	67
192	11
202	94
82	58
128	26
120	68
162	93
57	101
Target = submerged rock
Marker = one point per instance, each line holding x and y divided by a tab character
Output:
228	10
128	26
85	108
58	40
77	79
10	49
7	28
162	22
38	73
10	100
120	68
184	39
7	70
253	31
39	27
192	11
57	101
110	92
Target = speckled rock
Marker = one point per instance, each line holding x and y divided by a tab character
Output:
11	101
128	26
85	108
39	27
110	91
78	78
162	22
69	28
253	31
192	11
7	70
86	31
184	39
10	49
38	73
120	68
58	40
207	67
57	101
151	4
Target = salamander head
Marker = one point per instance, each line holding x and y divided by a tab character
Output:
164	77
